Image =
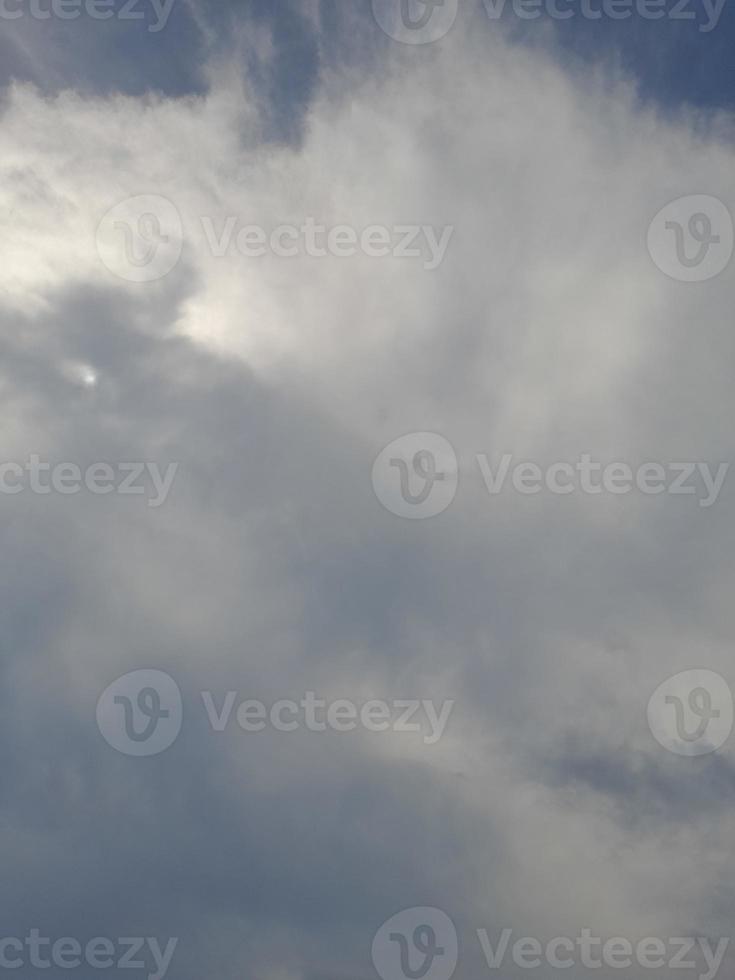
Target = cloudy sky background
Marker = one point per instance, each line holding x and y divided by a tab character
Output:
272	569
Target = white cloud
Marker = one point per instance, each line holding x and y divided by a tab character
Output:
546	332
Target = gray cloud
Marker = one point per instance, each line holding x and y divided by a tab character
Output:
272	569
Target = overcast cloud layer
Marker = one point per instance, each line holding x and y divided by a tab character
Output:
546	331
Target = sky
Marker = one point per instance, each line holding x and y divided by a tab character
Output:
351	362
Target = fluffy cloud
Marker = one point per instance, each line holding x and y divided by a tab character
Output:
546	332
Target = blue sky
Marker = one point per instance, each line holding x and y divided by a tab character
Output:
673	62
